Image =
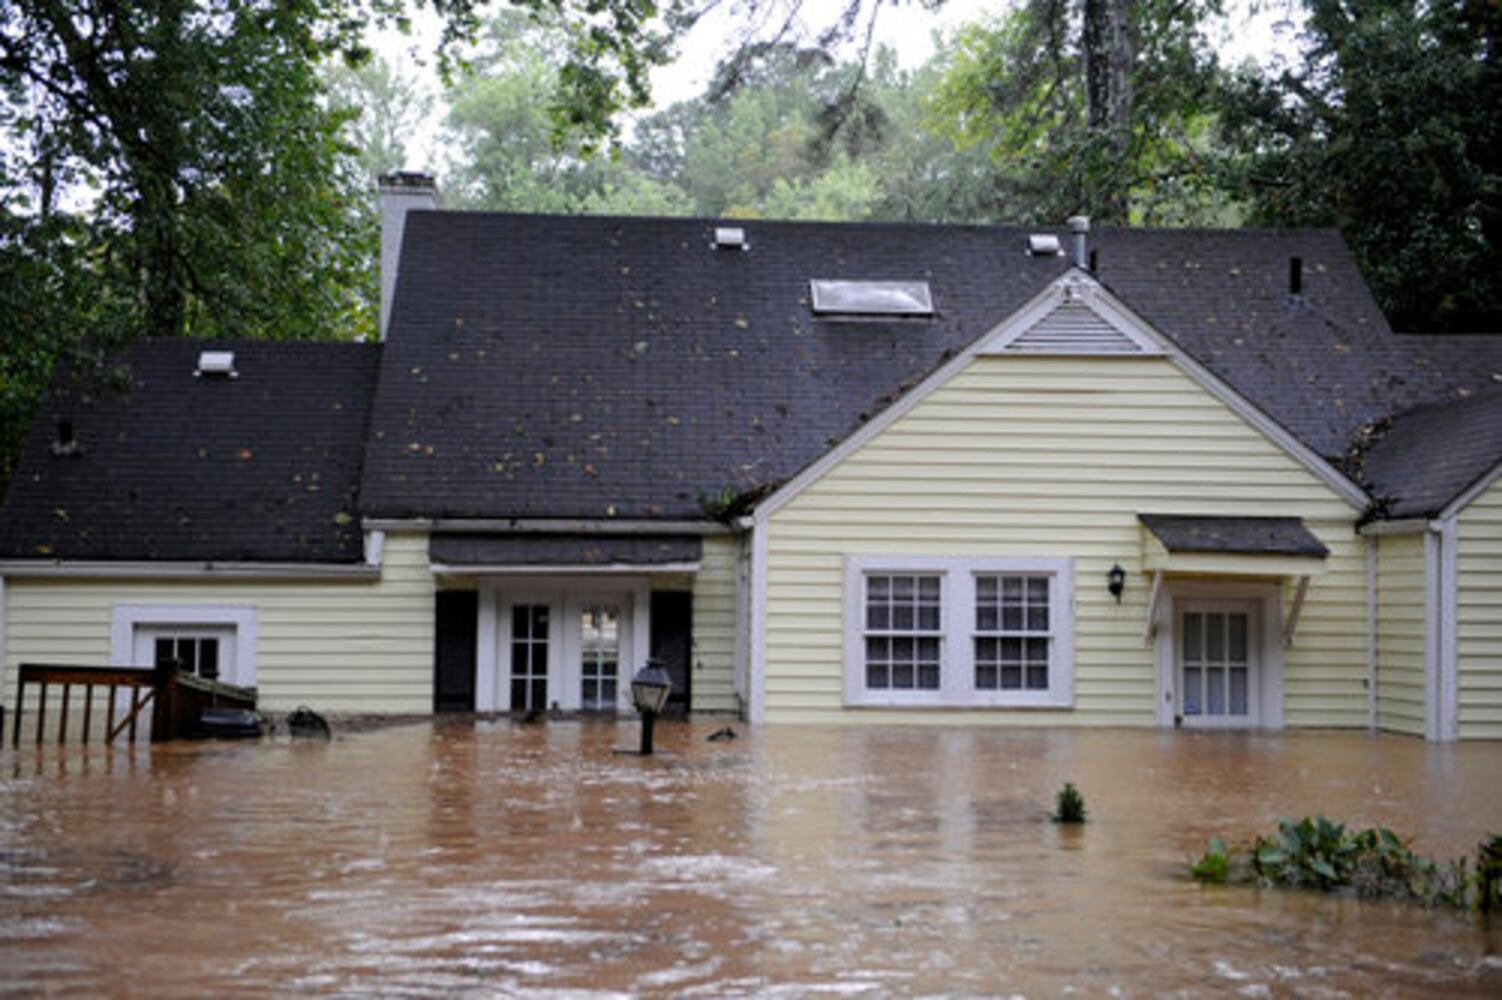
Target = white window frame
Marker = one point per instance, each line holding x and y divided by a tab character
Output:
958	623
127	619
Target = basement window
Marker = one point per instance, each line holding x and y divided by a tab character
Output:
871	298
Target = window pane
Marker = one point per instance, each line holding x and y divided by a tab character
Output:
1011	618
1194	641
902	649
1238	638
986	650
985	590
902	588
164	653
878	677
877	588
1215	692
521	622
208	659
878	616
928	676
928	617
1037	618
986	618
1191	688
1037	651
985	677
878	649
1011	678
1215	638
1011	650
539	694
608	693
928	649
187	655
1037	678
1011	589
902	675
1238	691
590	693
1037	590
902	618
928	589
519	693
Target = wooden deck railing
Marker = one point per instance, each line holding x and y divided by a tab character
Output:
175	699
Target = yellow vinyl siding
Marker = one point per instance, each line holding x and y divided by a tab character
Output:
1479	616
1400	633
1054	457
714	626
337	646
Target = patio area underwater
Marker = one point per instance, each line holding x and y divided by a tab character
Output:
486	857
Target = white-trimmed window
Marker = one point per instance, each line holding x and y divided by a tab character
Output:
214	641
959	632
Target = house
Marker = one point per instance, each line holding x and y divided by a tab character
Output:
854	473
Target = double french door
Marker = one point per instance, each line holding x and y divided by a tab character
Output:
565	651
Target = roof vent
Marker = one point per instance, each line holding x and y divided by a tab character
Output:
1044	245
220	364
872	298
730	238
66	444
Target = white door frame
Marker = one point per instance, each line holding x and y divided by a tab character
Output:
565	596
1268	630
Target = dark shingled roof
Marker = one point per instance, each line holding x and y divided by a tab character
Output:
264	467
1283	536
593	367
1432	454
547	549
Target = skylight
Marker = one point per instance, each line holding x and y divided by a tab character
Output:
872	298
220	363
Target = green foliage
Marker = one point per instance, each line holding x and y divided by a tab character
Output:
1215	865
1069	805
1388	129
1374	863
1016	88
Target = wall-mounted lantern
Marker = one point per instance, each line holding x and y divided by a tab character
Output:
1116	581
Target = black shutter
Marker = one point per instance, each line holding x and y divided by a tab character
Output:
672	643
457	615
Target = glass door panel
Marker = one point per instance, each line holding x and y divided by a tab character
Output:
1216	674
599	656
529	657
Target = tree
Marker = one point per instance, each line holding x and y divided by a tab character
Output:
383	108
1388	128
1104	107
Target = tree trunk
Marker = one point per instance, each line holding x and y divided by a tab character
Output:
1108	57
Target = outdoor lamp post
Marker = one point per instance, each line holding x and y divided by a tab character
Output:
649	692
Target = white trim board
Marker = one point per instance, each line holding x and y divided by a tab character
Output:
610	569
564	526
192	570
1112	311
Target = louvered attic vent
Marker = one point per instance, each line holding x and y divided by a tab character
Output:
217	364
871	298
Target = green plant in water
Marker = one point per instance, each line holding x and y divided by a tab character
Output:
1375	863
1069	805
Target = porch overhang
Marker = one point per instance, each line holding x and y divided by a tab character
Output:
549	553
1209	547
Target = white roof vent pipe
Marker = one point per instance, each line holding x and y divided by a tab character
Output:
400	192
1079	228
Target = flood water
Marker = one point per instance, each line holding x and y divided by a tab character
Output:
485	857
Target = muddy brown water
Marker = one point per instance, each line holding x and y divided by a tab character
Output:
482	857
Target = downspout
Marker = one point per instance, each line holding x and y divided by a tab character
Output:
1431	633
742	621
1449	659
757	674
4	675
1371	633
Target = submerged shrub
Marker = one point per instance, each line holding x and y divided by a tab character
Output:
1375	863
1069	805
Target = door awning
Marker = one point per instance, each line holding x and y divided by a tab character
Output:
1230	546
545	552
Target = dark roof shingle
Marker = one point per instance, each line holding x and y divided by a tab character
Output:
1431	454
1262	536
264	467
